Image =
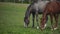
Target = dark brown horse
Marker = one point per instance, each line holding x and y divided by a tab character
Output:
52	9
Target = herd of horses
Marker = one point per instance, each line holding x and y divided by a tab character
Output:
51	8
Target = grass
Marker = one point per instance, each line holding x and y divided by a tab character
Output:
12	20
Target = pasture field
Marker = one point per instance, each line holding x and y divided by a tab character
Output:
12	20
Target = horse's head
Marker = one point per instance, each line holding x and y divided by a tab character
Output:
26	20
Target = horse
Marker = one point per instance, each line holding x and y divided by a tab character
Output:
53	10
34	8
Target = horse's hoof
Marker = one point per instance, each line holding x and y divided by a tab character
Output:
37	27
54	28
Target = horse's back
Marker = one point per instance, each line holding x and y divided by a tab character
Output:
53	6
40	5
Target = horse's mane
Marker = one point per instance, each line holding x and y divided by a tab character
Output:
28	10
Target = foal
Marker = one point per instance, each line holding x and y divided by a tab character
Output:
52	9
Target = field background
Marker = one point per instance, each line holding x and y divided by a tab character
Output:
12	20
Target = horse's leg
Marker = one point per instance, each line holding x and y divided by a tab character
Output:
56	19
37	19
46	21
51	17
33	15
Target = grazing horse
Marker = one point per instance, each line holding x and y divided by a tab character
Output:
53	9
34	8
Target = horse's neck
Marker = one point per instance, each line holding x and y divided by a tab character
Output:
27	14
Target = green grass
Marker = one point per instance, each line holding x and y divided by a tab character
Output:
11	20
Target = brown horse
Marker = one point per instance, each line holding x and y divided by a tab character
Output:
52	9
